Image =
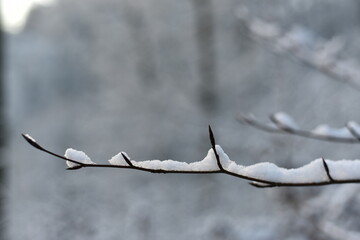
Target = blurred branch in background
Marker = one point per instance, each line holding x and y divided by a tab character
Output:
283	123
306	47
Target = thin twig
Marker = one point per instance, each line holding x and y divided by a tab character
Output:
127	160
327	170
213	146
257	182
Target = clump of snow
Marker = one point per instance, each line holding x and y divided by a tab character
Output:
163	165
312	172
344	169
119	160
325	130
207	164
77	156
284	121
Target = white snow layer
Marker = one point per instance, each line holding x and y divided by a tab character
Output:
312	172
283	120
207	164
325	130
77	156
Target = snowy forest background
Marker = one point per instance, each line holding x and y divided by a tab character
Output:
147	77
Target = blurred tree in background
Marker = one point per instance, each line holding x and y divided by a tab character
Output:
147	77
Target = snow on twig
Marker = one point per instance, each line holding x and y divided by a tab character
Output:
316	173
283	123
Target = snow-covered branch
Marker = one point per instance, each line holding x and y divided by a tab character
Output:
283	123
304	46
316	173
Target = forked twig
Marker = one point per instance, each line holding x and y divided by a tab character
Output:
224	165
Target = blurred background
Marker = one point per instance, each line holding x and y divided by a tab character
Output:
147	77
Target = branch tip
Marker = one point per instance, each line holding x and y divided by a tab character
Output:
212	138
31	141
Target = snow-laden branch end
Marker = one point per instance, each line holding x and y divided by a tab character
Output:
283	123
316	173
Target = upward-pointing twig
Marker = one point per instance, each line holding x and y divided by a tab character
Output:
327	170
127	160
213	146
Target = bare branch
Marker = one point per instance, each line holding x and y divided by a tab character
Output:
351	137
253	173
37	146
